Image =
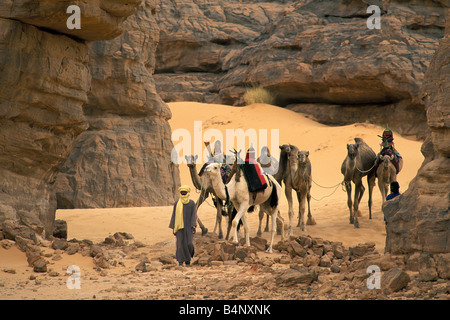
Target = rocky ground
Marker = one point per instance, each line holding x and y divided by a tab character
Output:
303	267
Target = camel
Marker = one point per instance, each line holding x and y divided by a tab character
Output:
269	165
386	173
359	162
201	183
236	190
288	170
301	183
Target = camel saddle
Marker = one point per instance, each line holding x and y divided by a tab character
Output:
390	151
256	180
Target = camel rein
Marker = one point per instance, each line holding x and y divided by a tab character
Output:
335	188
365	171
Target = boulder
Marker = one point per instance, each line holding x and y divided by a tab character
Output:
291	277
394	280
60	229
13	230
60	244
427	268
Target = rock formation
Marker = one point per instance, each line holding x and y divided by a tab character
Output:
48	75
419	220
123	159
307	53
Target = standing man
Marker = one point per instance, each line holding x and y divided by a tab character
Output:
184	223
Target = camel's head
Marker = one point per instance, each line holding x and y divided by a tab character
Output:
352	150
303	157
386	159
191	160
212	169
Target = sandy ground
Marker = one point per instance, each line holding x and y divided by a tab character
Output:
327	146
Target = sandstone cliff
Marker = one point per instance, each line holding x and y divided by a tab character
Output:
123	159
50	77
419	220
317	57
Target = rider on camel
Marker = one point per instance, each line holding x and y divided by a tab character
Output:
388	148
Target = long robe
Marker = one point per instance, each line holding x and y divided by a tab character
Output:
185	236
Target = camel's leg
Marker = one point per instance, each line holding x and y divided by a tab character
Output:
361	193
280	225
246	229
382	192
274	215
240	213
358	191
348	188
266	229
371	184
288	192
230	221
261	217
219	220
310	220
301	210
199	202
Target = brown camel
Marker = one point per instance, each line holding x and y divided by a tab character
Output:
359	162
386	173
290	168
301	183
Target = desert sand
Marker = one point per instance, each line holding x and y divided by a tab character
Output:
149	225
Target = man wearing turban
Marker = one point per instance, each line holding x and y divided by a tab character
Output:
184	223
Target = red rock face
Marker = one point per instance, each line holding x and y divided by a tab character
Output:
420	220
123	160
54	85
305	52
44	83
100	20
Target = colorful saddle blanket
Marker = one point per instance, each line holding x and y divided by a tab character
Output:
391	152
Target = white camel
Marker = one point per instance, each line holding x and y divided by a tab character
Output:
236	190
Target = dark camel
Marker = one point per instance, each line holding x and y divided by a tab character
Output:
358	163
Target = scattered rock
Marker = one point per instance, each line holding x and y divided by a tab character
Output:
10	270
60	244
40	265
95	250
290	277
204	260
72	248
7	244
394	280
362	249
60	229
167	259
427	267
259	243
11	230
